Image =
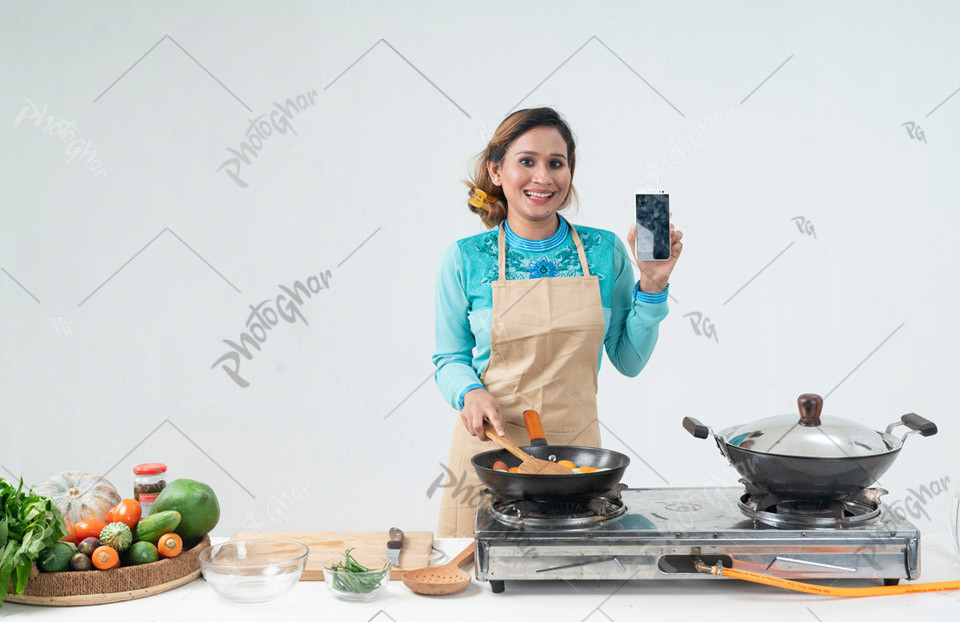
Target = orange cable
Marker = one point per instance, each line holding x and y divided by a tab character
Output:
797	586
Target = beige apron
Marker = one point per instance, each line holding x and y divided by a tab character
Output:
545	336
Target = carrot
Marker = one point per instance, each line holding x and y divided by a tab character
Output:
105	558
169	545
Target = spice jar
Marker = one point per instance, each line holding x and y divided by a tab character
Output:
149	479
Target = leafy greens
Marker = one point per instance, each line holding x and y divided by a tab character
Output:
29	524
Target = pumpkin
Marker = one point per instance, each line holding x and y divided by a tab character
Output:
80	495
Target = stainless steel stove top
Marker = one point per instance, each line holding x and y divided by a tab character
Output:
663	530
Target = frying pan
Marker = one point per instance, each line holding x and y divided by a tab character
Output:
550	487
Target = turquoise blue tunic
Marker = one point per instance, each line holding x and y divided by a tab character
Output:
464	300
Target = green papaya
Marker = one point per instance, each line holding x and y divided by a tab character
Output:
197	504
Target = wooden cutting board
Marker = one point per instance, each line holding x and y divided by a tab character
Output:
369	548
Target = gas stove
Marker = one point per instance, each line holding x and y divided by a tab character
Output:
659	533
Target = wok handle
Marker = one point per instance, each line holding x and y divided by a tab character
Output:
698	430
694	427
531	419
916	423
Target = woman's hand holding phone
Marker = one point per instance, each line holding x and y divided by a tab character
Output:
478	405
654	275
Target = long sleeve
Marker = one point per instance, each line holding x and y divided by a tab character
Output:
634	317
453	357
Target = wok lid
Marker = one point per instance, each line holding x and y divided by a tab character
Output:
809	436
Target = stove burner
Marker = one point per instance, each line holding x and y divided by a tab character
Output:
858	509
565	513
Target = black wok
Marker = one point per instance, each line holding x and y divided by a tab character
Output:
551	487
809	477
796	477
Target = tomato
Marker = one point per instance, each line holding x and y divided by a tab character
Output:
71	532
499	465
126	512
88	529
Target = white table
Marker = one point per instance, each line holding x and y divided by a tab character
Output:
709	600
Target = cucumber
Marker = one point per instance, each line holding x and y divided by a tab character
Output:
152	527
56	558
142	553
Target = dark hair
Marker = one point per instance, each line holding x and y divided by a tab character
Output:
511	128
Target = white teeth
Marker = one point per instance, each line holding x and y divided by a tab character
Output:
538	195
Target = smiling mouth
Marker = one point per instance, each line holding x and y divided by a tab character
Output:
538	195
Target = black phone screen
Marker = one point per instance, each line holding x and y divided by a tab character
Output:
653	227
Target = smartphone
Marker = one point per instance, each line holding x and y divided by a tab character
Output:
653	226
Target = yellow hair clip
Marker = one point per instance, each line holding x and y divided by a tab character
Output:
480	199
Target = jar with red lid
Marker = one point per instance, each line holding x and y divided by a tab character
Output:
149	479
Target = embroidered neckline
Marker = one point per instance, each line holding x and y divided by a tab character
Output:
546	244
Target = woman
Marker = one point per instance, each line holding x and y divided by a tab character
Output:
523	310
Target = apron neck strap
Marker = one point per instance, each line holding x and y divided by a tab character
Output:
501	241
501	254
582	255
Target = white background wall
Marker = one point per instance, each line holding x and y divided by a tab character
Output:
119	284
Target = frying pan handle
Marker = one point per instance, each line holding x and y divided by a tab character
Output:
693	426
531	419
916	423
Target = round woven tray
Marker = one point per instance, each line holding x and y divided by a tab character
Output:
94	587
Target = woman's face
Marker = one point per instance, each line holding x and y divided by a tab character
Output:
535	165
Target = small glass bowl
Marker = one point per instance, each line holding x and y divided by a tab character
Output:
253	571
355	586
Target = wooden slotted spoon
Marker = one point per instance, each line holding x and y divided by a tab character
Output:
438	580
530	465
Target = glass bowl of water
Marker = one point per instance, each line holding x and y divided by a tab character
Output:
253	571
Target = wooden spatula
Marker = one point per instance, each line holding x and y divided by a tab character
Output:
445	579
530	465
